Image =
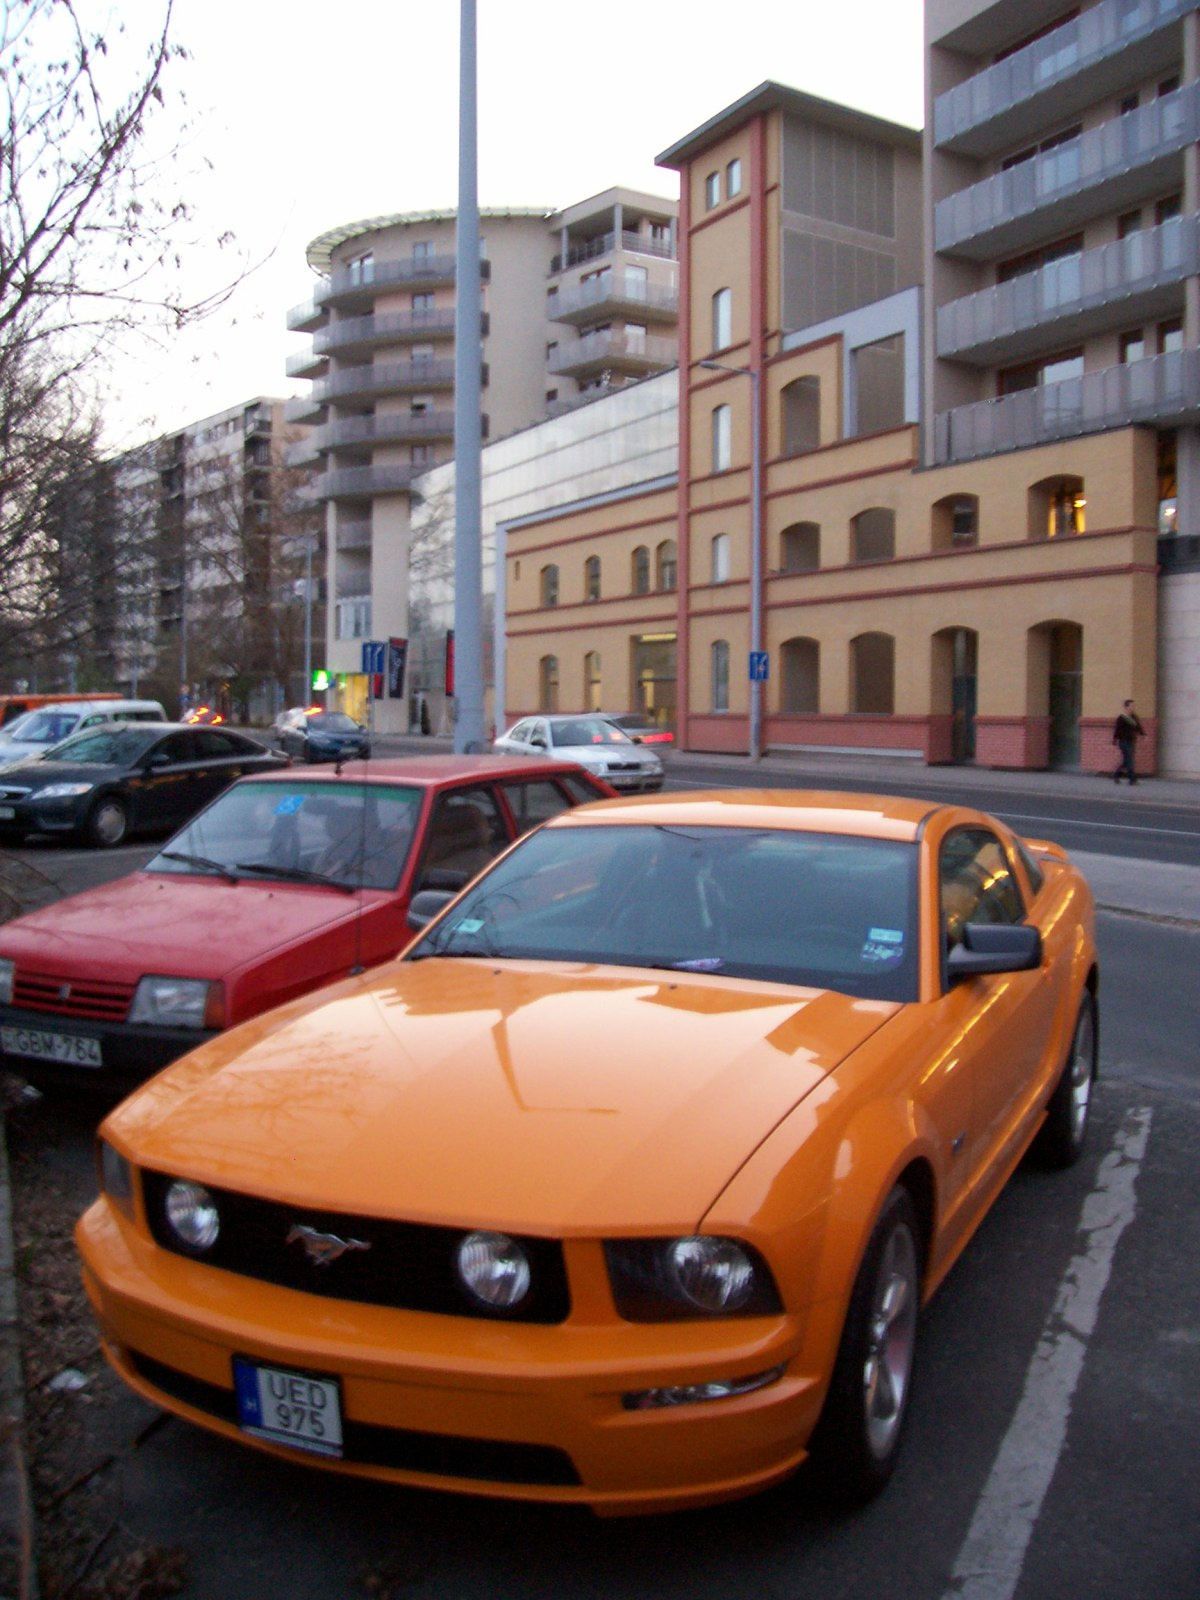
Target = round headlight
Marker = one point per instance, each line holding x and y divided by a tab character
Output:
714	1274
495	1269
193	1215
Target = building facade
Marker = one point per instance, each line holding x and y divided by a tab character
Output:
575	304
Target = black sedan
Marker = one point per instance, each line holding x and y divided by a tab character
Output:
325	736
123	778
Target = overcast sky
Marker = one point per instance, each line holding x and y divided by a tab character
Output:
308	115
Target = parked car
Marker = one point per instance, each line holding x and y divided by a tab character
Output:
288	880
593	741
324	736
643	729
294	714
105	783
35	731
623	1186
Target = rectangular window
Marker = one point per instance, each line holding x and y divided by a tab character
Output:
1133	346
1170	336
712	191
354	619
422	302
733	178
722	438
422	249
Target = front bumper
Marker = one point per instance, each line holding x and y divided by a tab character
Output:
43	816
128	1054
443	1402
634	782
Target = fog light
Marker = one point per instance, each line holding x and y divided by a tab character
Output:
691	1394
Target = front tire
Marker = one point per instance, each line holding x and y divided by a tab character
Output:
107	823
857	1441
1062	1136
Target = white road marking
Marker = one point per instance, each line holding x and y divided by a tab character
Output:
993	1553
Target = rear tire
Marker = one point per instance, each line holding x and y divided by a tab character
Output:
1062	1136
107	823
856	1443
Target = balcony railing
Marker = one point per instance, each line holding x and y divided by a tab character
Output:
1066	69
364	333
1162	390
385	427
605	243
358	285
1121	161
616	347
354	535
618	293
388	378
1091	291
360	483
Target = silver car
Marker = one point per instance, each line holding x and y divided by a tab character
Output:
597	744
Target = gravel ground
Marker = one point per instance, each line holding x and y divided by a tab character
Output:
79	1417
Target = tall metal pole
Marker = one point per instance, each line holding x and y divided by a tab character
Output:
468	439
755	562
308	555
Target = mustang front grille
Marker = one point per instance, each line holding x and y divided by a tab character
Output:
384	1263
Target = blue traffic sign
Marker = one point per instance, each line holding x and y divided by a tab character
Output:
759	666
374	657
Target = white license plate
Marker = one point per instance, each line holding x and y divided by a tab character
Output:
7	813
289	1407
76	1049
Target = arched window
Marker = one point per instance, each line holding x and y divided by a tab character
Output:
800	547
719	664
873	673
955	522
800	410
549	585
1057	508
722	319
591	578
664	565
640	570
722	438
873	535
720	558
591	680
548	683
800	690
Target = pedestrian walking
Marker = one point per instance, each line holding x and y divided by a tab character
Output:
1127	730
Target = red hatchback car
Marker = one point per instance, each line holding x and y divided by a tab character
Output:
288	880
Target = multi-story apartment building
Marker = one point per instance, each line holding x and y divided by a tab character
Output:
574	303
216	589
1062	271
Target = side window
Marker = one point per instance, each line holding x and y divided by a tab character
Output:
533	802
214	746
466	831
976	883
179	747
520	733
96	716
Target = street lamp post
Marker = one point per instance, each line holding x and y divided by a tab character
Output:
755	741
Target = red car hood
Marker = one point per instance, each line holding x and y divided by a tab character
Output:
499	1094
159	922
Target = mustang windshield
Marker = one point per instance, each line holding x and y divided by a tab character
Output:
826	910
353	834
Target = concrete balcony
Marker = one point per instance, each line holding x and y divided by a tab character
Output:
615	350
363	483
1110	168
1130	282
361	335
306	364
354	535
393	377
1162	391
1090	58
615	295
607	244
353	585
355	288
363	434
301	453
305	408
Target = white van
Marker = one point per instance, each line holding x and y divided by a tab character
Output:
36	731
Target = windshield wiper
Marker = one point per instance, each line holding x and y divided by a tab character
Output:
204	863
297	875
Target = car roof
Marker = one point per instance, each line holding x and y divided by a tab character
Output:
870	816
426	771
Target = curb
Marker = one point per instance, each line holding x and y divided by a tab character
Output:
18	1575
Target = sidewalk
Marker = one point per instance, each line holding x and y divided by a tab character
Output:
1145	888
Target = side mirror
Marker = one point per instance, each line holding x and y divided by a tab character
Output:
425	905
538	742
995	947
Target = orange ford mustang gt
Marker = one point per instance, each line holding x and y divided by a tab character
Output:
624	1184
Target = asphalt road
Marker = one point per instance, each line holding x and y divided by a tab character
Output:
1052	1442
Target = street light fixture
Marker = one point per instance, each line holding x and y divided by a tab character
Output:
755	742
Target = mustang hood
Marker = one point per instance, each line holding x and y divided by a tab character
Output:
160	922
499	1094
